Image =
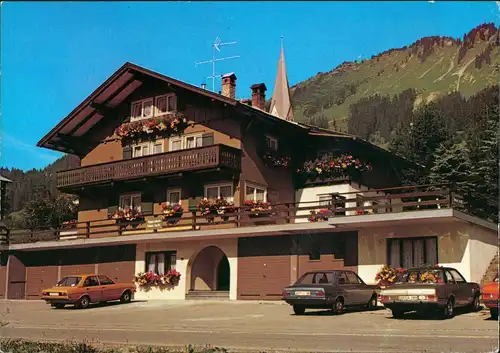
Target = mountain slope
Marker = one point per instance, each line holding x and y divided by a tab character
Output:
433	66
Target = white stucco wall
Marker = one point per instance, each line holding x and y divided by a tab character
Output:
310	197
483	248
453	245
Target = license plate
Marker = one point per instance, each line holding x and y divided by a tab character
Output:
408	297
54	294
302	293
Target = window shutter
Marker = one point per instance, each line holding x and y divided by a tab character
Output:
193	203
147	199
207	139
127	152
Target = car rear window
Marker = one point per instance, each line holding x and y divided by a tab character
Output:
422	276
69	282
316	278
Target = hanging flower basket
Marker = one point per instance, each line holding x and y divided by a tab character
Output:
172	213
388	275
258	208
171	124
319	216
219	207
172	278
126	216
331	166
270	159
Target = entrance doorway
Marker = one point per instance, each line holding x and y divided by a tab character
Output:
223	274
210	271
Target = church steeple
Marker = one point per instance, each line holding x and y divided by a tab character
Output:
281	105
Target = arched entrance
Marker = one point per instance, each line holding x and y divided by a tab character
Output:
210	271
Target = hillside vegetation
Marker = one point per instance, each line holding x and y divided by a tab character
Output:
432	67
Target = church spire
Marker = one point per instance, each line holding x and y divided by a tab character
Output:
281	105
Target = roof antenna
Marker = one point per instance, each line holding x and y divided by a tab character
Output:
216	46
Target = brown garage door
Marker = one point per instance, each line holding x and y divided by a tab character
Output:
263	277
39	278
81	269
117	262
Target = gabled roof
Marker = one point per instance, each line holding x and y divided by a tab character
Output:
5	180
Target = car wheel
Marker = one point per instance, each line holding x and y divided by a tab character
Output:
83	302
338	307
299	310
397	314
494	313
126	297
448	311
476	303
58	306
372	304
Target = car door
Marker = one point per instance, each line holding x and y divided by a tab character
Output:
108	288
361	291
346	289
465	291
93	289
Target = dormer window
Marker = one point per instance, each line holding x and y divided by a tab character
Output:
142	109
165	104
272	142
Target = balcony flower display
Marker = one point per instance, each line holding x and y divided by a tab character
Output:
360	212
319	216
172	212
171	124
69	224
127	214
257	206
219	206
271	159
388	275
331	166
172	278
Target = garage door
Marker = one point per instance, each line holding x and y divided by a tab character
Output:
120	272
39	278
81	269
263	277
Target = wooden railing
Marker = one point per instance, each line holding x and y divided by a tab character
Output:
399	200
164	163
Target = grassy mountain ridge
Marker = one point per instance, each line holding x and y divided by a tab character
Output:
432	66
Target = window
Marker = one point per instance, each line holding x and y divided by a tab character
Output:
147	148
223	191
352	278
105	280
457	276
272	143
132	201
174	196
91	281
255	193
412	252
342	278
142	109
69	282
160	262
314	250
164	104
187	141
325	200
316	278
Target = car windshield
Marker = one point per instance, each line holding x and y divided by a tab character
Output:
422	276
316	278
69	282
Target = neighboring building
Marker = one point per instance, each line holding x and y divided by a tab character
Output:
145	139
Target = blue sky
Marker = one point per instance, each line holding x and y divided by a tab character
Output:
54	54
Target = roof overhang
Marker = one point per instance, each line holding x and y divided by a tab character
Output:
66	135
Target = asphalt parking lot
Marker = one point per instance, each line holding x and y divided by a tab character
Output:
248	326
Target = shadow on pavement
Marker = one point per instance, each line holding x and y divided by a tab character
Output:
327	312
100	305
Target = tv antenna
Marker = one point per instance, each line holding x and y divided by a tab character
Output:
216	47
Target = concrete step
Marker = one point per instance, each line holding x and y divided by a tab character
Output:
492	271
207	295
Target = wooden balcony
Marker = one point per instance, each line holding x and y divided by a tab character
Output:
200	158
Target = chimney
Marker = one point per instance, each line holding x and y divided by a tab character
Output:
229	85
204	85
259	95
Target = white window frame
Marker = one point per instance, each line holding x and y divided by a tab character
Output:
255	187
183	140
132	195
218	186
270	140
169	97
150	145
132	118
173	191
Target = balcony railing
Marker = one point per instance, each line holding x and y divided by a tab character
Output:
394	200
164	163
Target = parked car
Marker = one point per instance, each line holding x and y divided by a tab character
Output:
429	290
81	290
490	297
336	290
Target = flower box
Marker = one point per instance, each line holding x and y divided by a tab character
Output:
388	275
258	208
171	278
273	160
319	216
330	166
172	213
174	123
219	207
